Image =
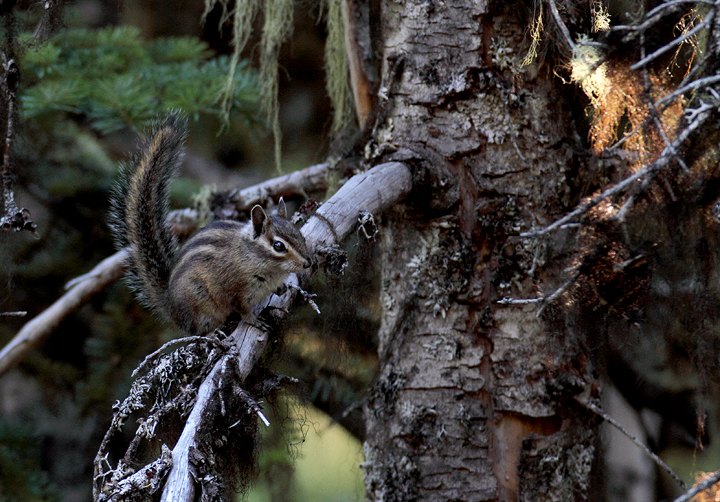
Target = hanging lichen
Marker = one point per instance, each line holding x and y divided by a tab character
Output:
277	27
336	66
536	30
242	18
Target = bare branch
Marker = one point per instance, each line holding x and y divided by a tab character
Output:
654	16
561	25
298	182
696	84
36	330
654	112
696	118
590	406
662	50
13	218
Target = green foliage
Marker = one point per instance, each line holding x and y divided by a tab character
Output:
118	80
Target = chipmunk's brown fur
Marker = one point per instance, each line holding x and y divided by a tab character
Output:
223	269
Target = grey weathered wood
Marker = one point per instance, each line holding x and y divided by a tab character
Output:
373	192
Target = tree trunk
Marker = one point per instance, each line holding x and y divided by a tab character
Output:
460	410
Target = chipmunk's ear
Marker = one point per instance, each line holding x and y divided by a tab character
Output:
281	209
258	217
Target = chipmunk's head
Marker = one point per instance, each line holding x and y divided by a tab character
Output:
284	243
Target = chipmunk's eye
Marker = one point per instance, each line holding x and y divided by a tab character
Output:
279	247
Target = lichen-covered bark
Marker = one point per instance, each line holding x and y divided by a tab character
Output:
462	405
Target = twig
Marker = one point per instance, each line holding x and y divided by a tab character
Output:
175	341
632	438
700	487
520	301
696	117
654	15
662	50
561	25
544	300
696	84
654	112
307	297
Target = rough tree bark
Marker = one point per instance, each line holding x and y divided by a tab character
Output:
461	403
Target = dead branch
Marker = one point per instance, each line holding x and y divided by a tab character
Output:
662	50
82	288
655	15
658	461
696	118
36	330
561	26
13	217
297	183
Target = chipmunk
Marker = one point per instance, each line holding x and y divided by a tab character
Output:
223	269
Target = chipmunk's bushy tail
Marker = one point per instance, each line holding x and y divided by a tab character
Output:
139	208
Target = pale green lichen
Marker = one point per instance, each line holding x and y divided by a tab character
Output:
278	15
277	27
589	70
600	16
336	66
535	35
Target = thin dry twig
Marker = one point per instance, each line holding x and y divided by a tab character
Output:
692	86
696	117
705	484
595	409
652	17
561	25
654	114
176	341
665	48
